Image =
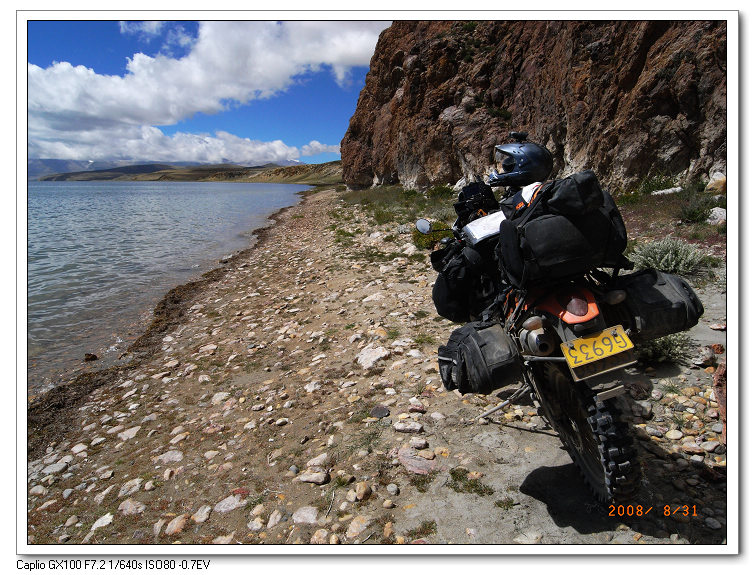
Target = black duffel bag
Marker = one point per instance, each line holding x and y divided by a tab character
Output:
569	227
658	303
462	289
478	358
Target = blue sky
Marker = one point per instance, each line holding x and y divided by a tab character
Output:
243	92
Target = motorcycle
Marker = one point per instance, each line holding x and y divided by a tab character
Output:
545	304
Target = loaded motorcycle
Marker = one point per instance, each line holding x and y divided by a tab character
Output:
537	279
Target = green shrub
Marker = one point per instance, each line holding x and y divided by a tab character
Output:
695	204
344	237
466	54
505	504
671	388
387	204
657	181
383	216
648	185
427	241
422	482
462	484
629	199
673	348
362	412
443	213
695	210
669	255
425	529
440	191
374	255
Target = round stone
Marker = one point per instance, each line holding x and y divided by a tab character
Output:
357	525
710	445
712	523
306	515
380	411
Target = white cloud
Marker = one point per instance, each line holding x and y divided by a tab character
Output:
315	147
150	143
178	36
145	29
73	109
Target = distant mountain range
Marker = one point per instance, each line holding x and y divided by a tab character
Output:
38	168
296	172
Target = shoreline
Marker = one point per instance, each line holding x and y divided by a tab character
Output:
114	343
75	385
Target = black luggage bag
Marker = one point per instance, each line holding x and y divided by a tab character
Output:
478	358
658	304
568	228
463	288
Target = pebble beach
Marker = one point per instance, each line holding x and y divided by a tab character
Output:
292	396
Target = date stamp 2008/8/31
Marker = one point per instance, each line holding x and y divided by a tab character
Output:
640	510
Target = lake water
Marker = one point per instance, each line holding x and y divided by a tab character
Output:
102	254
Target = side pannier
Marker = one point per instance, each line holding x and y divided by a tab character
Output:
461	291
658	304
569	227
478	358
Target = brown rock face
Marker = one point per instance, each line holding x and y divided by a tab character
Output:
625	99
719	385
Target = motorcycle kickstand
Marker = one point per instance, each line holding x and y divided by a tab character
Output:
503	404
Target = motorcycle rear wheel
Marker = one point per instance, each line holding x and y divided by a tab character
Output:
591	430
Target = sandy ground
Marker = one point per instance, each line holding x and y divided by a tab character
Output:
293	397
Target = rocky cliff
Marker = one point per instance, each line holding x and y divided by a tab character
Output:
626	99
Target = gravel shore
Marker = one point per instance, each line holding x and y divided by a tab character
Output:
293	397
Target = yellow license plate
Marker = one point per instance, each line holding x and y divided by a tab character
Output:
597	346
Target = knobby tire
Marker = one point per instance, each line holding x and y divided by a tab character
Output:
597	441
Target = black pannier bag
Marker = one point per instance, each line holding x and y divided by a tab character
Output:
462	290
465	286
569	227
658	304
578	194
478	358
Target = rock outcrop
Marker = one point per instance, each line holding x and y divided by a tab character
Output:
626	99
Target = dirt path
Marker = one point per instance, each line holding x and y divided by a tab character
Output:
298	401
